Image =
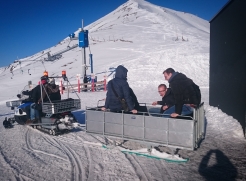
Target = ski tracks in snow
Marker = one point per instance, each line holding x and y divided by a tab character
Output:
11	169
78	169
78	172
30	147
7	165
78	150
142	175
81	167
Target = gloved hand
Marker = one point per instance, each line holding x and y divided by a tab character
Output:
18	95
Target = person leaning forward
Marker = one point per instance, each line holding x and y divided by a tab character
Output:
122	89
186	93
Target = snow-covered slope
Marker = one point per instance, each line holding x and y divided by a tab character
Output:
139	35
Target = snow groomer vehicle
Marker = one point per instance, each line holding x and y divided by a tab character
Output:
185	132
55	116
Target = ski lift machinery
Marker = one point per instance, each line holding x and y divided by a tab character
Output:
83	44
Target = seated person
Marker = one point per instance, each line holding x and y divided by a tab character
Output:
52	90
166	102
35	107
6	123
118	89
26	103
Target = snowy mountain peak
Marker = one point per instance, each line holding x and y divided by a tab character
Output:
134	11
145	38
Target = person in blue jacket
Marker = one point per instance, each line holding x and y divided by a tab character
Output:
122	89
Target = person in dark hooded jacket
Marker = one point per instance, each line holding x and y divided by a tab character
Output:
122	88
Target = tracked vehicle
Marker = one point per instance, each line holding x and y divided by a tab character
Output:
55	116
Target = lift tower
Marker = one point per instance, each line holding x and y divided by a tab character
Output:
83	43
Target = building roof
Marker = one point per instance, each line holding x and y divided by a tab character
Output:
221	10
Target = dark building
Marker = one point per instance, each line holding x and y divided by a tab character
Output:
227	89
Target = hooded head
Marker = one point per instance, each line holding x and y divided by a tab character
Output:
121	72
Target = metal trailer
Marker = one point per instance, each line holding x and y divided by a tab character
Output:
184	133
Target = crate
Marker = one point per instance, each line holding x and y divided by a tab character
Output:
61	106
15	103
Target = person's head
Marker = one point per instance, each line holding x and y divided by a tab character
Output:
162	89
44	80
168	73
121	72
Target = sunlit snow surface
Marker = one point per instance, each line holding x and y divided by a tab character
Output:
141	37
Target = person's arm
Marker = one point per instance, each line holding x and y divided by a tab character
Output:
43	94
158	103
34	94
107	96
169	100
127	97
165	107
26	92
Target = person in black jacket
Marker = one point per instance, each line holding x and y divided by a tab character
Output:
36	95
186	93
52	90
166	102
122	89
6	123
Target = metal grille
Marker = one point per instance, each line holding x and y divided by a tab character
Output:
61	106
13	103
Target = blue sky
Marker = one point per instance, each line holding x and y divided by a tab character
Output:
30	26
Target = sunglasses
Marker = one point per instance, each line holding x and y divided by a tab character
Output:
162	91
